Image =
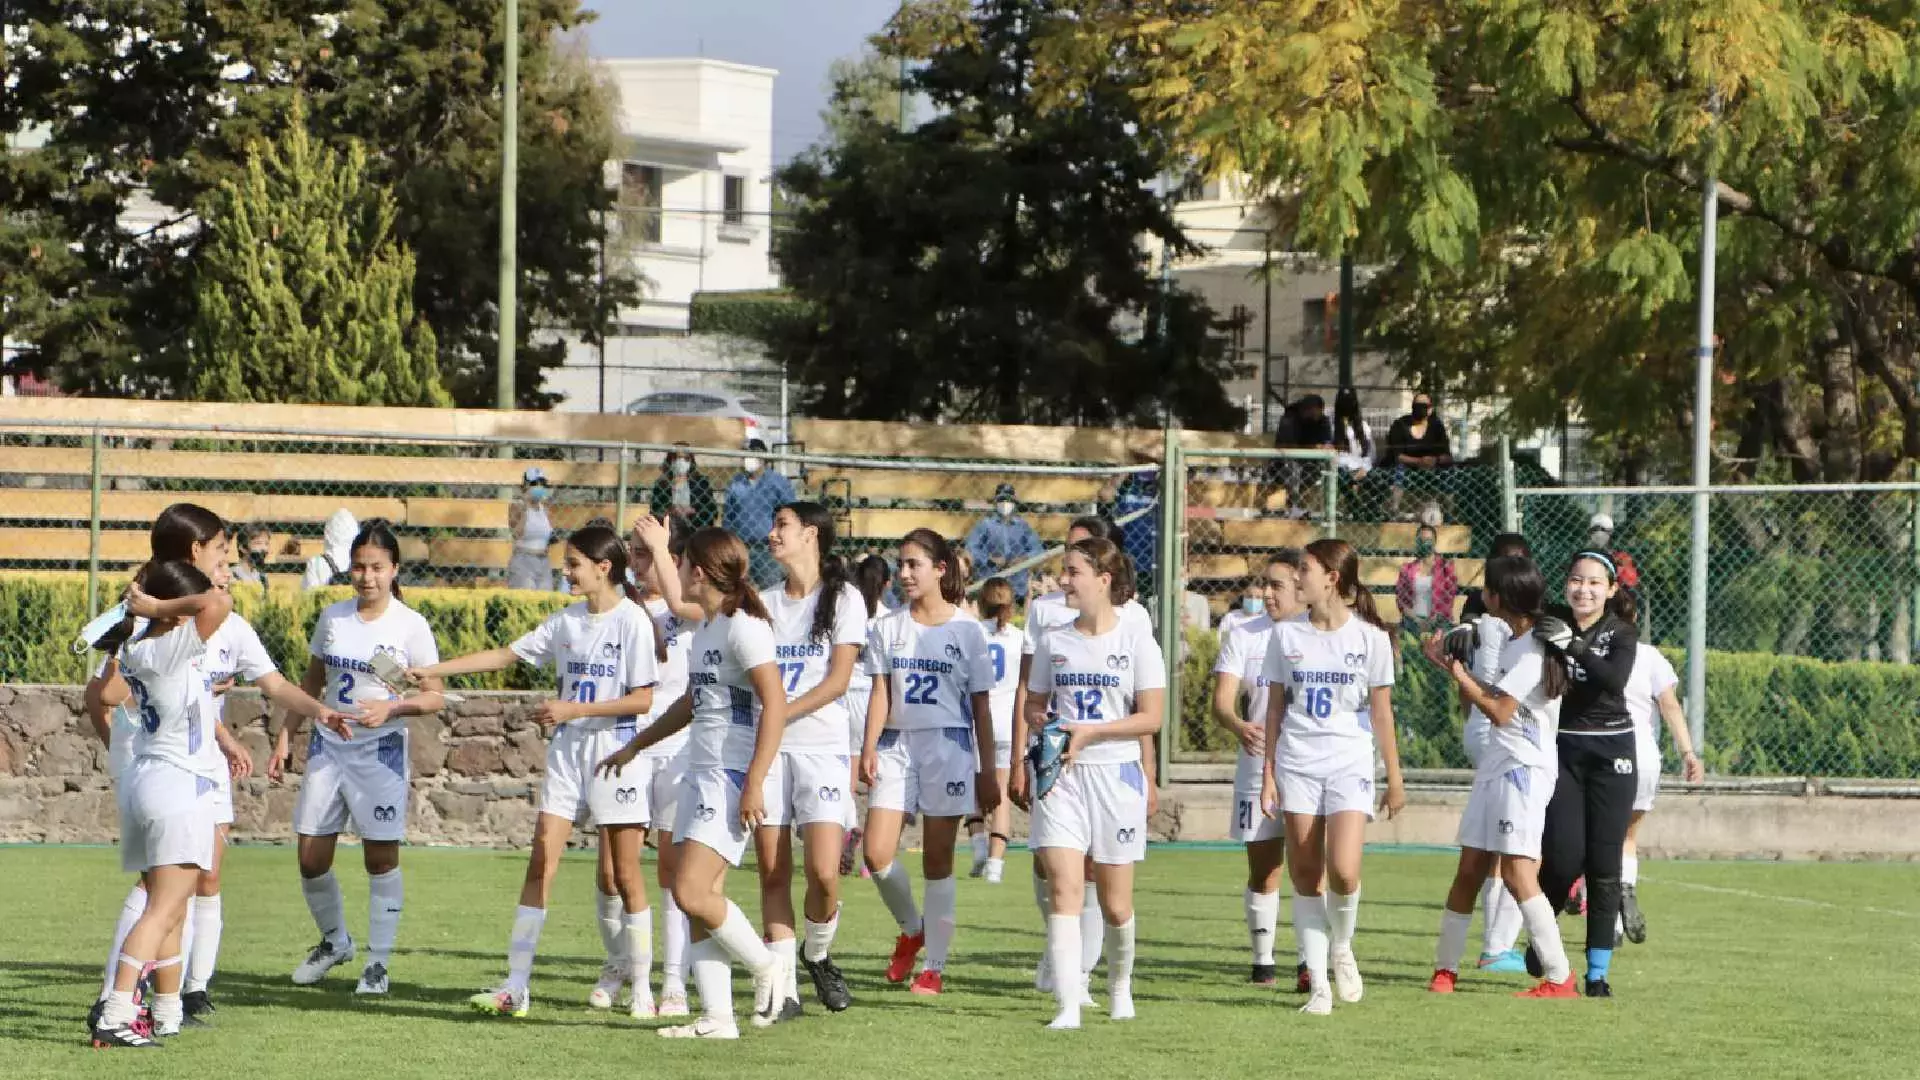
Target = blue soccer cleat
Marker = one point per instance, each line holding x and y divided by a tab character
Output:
1048	755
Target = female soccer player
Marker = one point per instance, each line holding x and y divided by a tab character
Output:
1335	671
606	656
932	678
1598	775
363	778
737	711
990	834
819	624
1651	689
1242	662
194	534
1513	776
1105	682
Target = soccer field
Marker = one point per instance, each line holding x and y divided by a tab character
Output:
1751	969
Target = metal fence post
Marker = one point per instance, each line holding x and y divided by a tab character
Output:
620	495
1330	479
93	533
1509	503
1173	528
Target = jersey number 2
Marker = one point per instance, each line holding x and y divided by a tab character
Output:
921	689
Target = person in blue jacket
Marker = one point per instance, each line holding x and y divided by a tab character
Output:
753	495
1140	537
1001	540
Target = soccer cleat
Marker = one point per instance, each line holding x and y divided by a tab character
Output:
195	1007
704	1028
373	981
93	1015
1632	920
128	1037
1319	1002
1506	963
606	990
791	1009
978	869
905	949
1048	755
1120	1003
1346	977
501	1002
927	984
1265	975
673	1003
1068	1019
1442	981
1546	989
320	960
767	985
829	983
163	1029
640	1007
1302	979
1598	988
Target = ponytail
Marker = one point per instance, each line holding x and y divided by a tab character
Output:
1106	558
953	588
996	602
834	575
721	556
163	580
1337	557
1516	582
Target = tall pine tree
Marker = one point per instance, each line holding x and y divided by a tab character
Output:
301	292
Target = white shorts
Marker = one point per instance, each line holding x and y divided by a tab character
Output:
574	790
1646	753
928	772
665	773
1474	738
529	570
1344	790
808	789
221	798
1250	824
1098	809
363	781
166	817
710	812
1507	813
856	703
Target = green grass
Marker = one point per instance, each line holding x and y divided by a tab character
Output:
1752	969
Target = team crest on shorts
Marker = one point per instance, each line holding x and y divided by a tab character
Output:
829	794
1365	784
384	813
1126	835
626	796
956	787
1623	766
704	812
1506	828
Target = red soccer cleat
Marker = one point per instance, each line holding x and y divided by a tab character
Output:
1546	989
927	984
904	951
1442	981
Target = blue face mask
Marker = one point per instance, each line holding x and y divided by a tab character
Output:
1252	605
538	493
91	633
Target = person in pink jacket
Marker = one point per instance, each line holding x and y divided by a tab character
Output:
1426	587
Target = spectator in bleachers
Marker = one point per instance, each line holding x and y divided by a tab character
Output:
753	495
1417	441
252	544
1002	539
330	566
1303	426
1427	587
1352	439
683	491
532	528
1131	501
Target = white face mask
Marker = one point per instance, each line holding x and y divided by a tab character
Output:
752	465
1005	508
681	466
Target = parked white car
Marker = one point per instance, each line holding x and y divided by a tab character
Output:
762	422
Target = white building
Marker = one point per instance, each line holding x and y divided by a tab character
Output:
694	166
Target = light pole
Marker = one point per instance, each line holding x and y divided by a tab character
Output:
509	196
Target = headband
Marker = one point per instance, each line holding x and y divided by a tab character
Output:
1603	559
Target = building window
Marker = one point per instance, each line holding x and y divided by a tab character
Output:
640	187
733	200
1320	324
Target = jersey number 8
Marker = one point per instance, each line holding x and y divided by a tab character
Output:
999	654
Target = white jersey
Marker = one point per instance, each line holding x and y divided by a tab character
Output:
1652	676
1097	680
1328	677
1049	611
1004	647
1237	618
168	696
804	662
345	643
726	712
1243	655
233	650
1492	635
595	657
673	674
933	671
1529	738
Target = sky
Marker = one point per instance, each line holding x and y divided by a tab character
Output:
799	38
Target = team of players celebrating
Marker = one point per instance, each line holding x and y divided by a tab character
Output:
720	718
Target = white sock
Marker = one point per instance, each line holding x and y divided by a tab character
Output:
1544	929
1343	914
324	904
611	910
673	966
785	950
638	937
1630	869
737	936
1310	923
131	909
1453	941
820	937
896	890
1490	892
527	922
167	1011
1504	923
1063	951
1119	941
205	919
1263	915
995	868
980	847
943	898
1092	934
713	979
119	1011
386	895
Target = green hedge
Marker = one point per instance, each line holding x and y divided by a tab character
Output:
1766	715
39	619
